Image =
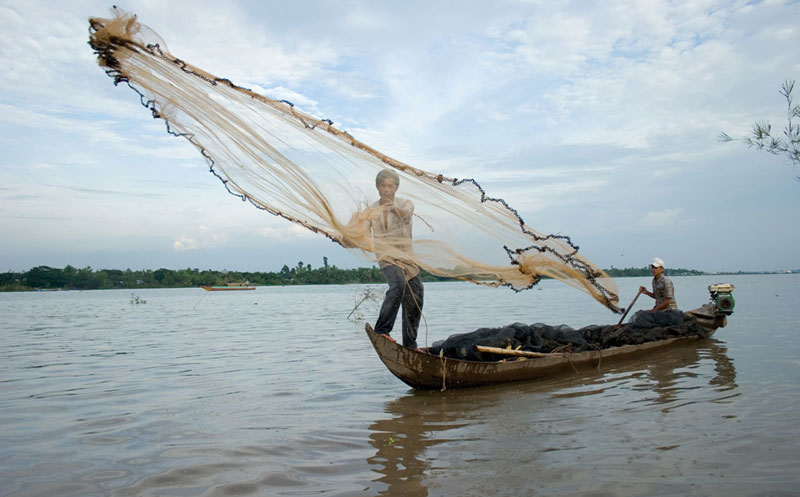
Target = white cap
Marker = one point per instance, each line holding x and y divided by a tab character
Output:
657	263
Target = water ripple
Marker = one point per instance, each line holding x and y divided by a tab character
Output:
277	393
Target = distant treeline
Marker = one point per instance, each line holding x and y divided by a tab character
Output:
71	278
645	271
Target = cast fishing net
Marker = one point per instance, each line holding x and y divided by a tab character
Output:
296	166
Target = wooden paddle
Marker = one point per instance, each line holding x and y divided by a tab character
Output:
629	307
518	353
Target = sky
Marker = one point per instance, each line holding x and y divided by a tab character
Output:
599	120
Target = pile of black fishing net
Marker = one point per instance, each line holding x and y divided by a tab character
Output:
643	327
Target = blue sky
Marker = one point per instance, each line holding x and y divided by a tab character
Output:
599	120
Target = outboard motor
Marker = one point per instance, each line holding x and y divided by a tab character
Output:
722	298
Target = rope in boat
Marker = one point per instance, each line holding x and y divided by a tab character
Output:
444	372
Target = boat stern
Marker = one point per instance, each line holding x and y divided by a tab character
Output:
715	314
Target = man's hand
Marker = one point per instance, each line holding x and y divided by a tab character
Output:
401	213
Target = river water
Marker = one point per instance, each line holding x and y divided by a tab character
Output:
278	392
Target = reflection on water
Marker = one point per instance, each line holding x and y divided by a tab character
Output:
415	423
723	365
666	374
671	372
418	422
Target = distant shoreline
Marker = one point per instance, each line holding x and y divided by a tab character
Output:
45	278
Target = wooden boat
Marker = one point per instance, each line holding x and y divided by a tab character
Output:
421	370
229	287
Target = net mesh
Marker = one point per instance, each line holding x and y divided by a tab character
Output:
301	168
644	327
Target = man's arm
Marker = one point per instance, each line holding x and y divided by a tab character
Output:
668	291
664	304
404	210
358	225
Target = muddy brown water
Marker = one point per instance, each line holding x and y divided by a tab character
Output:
277	392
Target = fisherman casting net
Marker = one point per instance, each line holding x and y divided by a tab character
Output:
293	165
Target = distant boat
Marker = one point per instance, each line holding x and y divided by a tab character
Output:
229	287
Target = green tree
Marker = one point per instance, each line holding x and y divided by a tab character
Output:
44	277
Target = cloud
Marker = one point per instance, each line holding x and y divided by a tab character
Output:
202	238
100	133
107	193
286	232
579	112
667	218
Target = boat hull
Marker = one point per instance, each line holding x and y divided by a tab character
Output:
227	288
421	370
